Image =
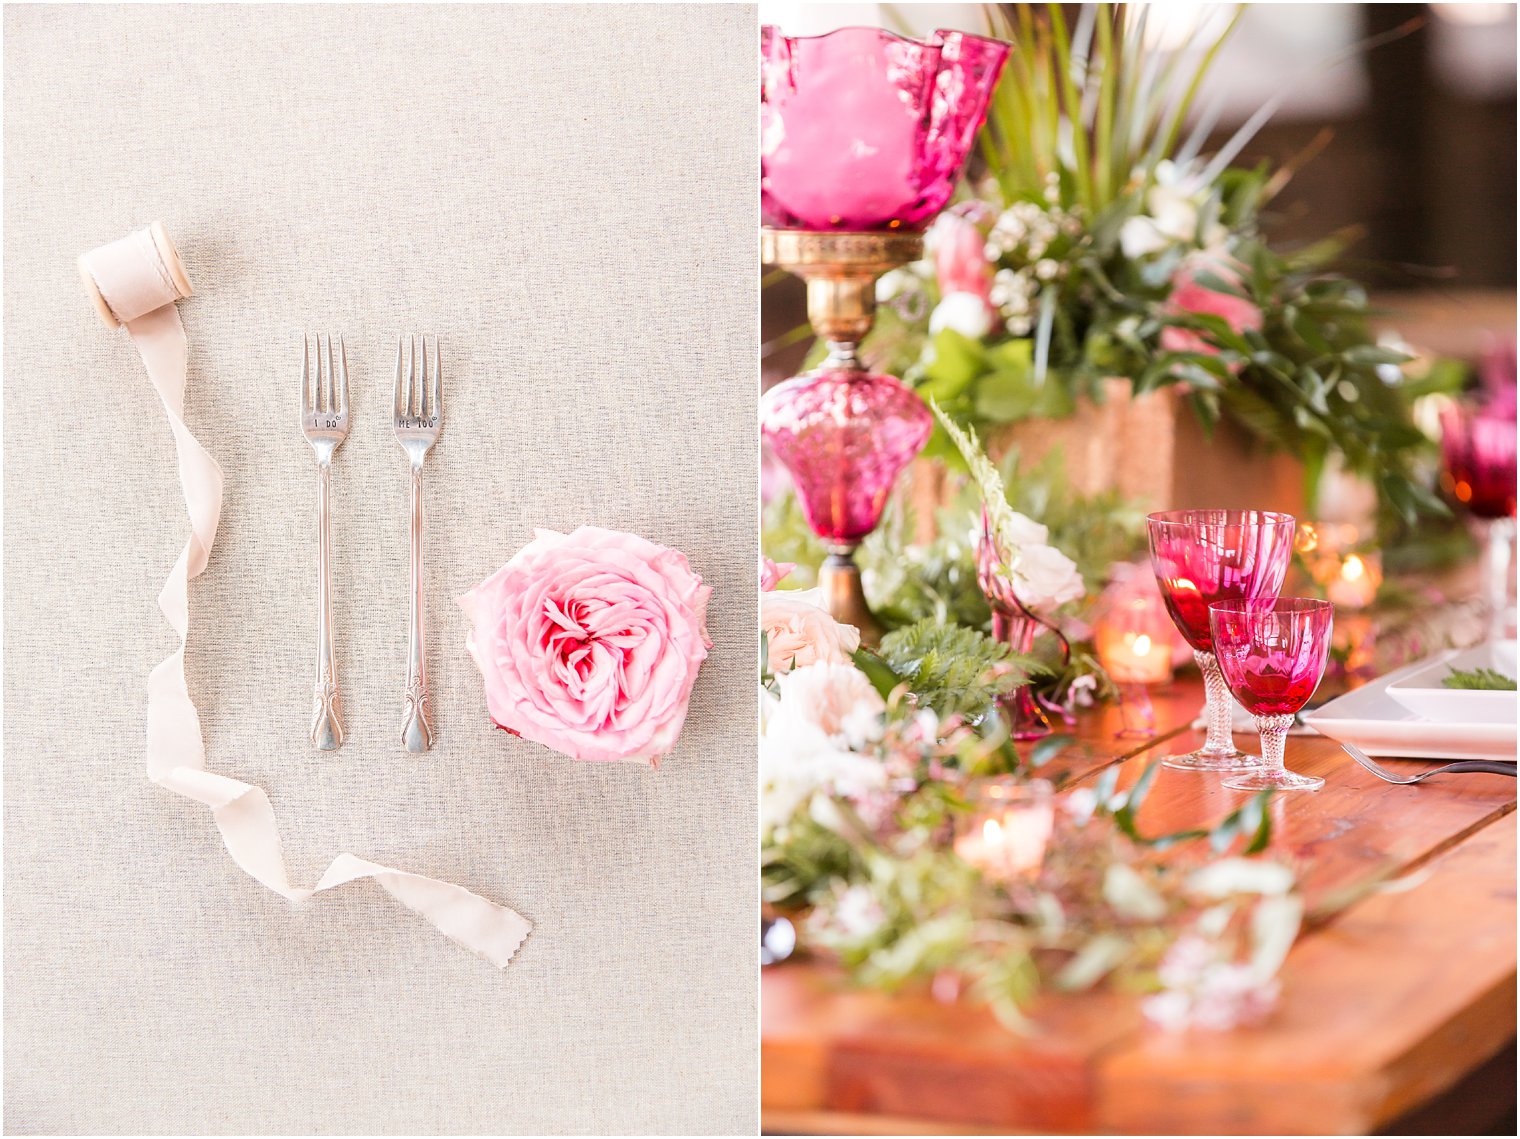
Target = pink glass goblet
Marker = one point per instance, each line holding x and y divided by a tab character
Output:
861	129
1272	654
844	435
1478	445
1016	627
1204	556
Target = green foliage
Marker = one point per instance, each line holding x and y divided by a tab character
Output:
1139	102
1093	530
786	537
953	670
1486	679
1250	819
803	861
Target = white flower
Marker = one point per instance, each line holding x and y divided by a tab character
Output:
1082	690
1174	206
1080	805
836	699
1044	577
965	313
812	735
857	913
1203	989
894	283
1240	876
799	631
1025	531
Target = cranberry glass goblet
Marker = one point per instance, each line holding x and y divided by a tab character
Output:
1272	654
1204	556
861	129
1478	445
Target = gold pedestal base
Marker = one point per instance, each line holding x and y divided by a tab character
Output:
840	268
843	596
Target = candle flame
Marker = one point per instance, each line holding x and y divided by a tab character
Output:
991	832
1353	569
1142	645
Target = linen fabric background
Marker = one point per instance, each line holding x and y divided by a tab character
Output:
566	197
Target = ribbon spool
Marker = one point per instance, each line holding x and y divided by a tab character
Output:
135	283
114	278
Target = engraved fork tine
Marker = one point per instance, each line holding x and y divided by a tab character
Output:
418	418
324	422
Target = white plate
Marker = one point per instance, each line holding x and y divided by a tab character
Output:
1378	724
1422	692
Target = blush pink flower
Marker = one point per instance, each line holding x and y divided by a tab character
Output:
773	574
589	643
960	258
1189	297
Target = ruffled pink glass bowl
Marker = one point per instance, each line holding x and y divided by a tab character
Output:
861	129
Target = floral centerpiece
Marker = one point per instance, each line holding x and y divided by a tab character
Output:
870	763
1100	242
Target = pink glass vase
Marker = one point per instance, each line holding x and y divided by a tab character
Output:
844	435
1026	719
861	129
1016	627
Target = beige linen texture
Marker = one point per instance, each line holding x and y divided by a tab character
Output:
566	197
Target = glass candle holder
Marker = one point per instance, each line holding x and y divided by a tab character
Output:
1008	828
1134	640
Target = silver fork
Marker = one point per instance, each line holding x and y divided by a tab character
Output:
1485	766
324	422
418	419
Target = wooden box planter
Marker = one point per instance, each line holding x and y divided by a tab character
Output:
1150	448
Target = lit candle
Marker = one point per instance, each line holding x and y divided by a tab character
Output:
1134	641
1009	826
1348	575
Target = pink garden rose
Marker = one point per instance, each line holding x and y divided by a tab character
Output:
589	643
798	631
960	258
1188	297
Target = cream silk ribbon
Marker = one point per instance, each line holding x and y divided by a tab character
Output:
136	282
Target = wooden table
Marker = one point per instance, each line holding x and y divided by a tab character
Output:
1387	1006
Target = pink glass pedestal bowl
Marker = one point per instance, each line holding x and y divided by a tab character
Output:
844	435
861	129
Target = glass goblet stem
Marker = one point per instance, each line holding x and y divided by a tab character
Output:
1273	774
1217	708
1274	742
1501	534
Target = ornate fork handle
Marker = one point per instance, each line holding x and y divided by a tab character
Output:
416	725
327	716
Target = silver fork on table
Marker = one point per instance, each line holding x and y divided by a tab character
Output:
324	422
418	420
1483	766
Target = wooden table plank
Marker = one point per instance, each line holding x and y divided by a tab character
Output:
1355	827
1385	1008
910	1062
